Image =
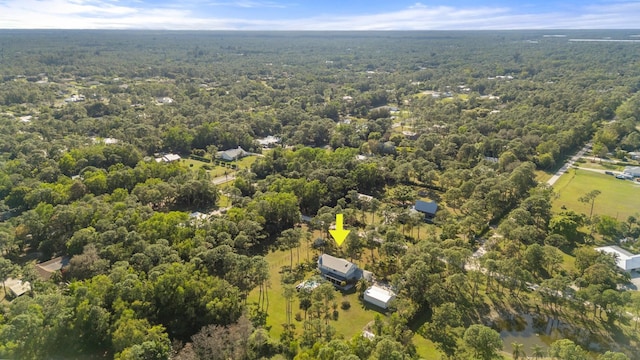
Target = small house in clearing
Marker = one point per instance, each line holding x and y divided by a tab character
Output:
232	154
427	208
411	135
379	297
340	272
47	268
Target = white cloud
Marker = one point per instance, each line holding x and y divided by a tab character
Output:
115	14
415	18
249	4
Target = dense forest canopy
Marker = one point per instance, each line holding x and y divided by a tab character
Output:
165	257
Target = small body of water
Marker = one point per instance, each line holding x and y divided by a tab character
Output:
531	330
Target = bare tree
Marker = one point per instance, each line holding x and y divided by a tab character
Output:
590	197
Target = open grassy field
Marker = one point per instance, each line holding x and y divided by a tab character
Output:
193	164
426	348
246	162
216	170
618	198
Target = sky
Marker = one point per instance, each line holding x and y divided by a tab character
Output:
319	14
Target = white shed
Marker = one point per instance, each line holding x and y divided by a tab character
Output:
378	296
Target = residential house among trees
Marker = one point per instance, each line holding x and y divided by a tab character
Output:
427	208
340	272
232	154
268	142
48	268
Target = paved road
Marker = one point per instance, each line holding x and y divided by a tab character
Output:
223	179
601	171
568	164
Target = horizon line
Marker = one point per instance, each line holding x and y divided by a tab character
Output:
316	30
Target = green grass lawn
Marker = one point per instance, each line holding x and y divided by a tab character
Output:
543	176
426	348
224	201
220	171
618	198
193	164
568	262
215	171
246	162
276	307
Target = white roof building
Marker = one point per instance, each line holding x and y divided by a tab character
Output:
171	157
17	287
268	141
632	171
168	158
378	296
165	100
74	98
624	259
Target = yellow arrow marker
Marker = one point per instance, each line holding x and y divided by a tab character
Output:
339	234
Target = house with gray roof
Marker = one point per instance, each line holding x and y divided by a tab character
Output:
46	269
232	154
427	208
341	273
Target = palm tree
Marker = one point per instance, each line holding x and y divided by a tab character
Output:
364	206
374	205
518	350
307	237
361	286
7	269
372	242
416	220
537	351
288	293
290	239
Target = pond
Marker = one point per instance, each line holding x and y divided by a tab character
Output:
531	330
